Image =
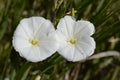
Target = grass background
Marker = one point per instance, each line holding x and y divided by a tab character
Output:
104	14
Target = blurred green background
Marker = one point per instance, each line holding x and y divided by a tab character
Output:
104	14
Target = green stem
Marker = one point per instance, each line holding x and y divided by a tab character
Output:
73	12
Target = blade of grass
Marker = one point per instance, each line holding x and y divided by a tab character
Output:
24	71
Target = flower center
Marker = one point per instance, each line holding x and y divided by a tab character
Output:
34	42
72	41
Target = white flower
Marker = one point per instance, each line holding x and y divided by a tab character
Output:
35	39
75	39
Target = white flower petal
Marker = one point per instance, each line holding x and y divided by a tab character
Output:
41	32
61	39
20	32
20	43
67	52
72	53
89	40
50	43
78	54
82	28
44	52
36	23
45	29
27	27
30	53
87	44
65	26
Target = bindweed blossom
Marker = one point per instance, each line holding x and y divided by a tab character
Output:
75	38
35	39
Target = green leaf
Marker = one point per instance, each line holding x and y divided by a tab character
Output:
24	71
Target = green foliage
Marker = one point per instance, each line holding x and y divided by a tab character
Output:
104	14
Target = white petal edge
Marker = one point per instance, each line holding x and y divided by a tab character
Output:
87	45
67	52
82	28
65	25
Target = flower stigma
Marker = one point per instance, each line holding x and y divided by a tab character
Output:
72	41
34	42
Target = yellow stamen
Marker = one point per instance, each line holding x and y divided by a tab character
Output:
34	42
72	41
